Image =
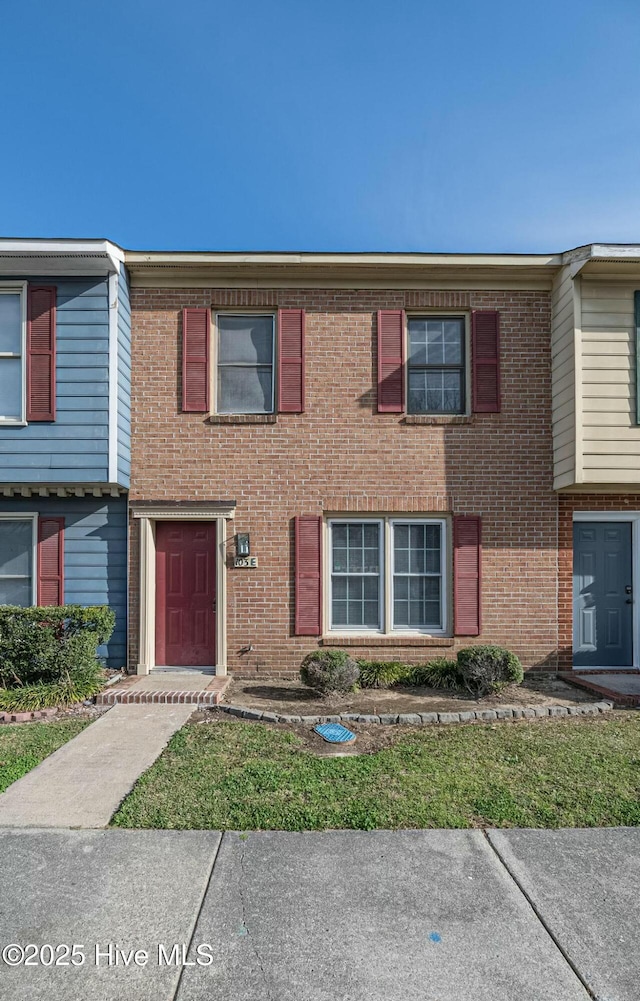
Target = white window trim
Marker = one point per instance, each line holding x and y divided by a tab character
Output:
634	518
465	316
31	516
213	352
386	577
7	288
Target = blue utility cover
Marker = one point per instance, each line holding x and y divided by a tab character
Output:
335	733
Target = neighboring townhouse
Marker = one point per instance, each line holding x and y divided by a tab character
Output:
65	426
596	439
341	450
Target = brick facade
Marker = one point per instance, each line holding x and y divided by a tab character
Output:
342	456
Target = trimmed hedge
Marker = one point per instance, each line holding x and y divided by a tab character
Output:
49	646
329	672
487	669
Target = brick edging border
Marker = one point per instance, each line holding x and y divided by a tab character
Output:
27	717
424	719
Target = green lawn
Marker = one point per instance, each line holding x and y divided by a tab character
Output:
240	776
23	747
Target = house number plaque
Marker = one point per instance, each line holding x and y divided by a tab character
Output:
244	562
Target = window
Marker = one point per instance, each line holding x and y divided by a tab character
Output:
17	548
406	594
436	368
12	345
245	362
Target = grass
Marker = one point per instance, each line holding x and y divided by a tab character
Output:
239	776
23	747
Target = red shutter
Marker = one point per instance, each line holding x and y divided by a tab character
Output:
50	561
41	353
467	576
291	361
391	324
195	360
485	330
308	542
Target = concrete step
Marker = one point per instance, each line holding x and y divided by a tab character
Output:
622	687
196	689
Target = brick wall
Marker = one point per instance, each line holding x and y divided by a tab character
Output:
341	455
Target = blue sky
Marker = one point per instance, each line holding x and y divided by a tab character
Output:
327	125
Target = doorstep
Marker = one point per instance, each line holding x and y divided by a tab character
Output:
621	686
168	688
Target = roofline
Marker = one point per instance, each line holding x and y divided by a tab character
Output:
59	256
159	258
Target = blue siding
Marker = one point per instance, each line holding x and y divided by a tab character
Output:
124	380
95	556
76	447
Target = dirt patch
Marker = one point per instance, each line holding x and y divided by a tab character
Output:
372	737
292	699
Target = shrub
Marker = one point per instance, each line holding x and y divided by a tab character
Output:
487	669
329	671
45	694
383	673
437	673
52	645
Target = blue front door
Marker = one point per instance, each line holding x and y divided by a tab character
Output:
602	594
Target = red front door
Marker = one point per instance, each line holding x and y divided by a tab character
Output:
186	593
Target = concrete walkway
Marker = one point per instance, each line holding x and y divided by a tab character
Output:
83	782
332	916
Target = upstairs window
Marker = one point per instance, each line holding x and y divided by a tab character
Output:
436	365
12	352
245	364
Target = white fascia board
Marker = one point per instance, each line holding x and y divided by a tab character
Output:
59	257
174	258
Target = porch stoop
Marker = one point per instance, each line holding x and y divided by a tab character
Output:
623	687
167	688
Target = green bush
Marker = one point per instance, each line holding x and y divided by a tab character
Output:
49	646
437	673
45	694
485	670
329	672
383	673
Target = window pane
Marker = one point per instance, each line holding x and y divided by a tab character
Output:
436	391
246	339
435	342
16	547
453	341
418	342
355	579
16	591
416	595
10	323
244	390
11	388
340	560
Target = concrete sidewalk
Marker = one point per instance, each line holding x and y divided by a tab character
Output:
333	916
83	782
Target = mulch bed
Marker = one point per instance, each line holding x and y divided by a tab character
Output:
292	698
